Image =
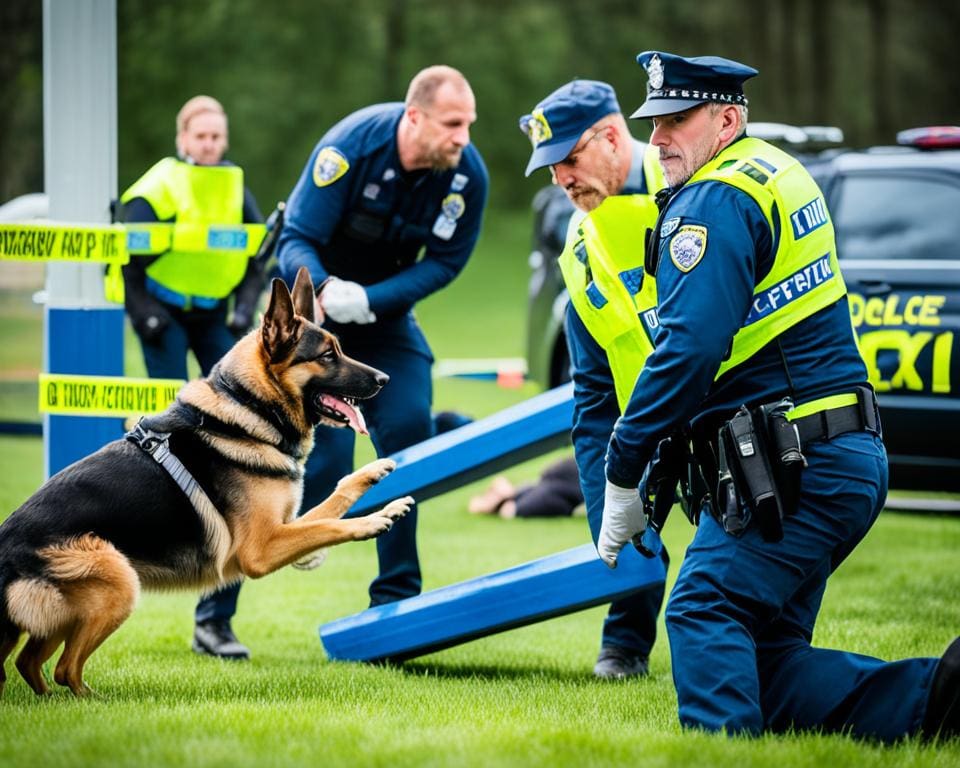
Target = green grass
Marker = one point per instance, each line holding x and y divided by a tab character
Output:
521	698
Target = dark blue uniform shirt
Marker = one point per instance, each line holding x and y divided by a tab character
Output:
699	313
371	224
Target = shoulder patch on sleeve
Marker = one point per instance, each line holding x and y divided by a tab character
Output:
688	246
453	206
329	166
668	227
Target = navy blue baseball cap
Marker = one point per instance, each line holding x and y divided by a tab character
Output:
676	83
557	123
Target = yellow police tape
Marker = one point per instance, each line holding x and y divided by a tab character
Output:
113	243
50	241
68	394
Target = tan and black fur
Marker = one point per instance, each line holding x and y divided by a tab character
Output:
74	556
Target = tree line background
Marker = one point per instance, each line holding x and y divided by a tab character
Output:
287	72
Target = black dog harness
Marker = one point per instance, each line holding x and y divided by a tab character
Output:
157	445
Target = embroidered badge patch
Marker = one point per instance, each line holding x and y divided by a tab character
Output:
459	182
330	165
453	206
537	128
668	227
688	246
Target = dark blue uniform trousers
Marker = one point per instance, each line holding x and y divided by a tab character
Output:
740	618
397	417
631	623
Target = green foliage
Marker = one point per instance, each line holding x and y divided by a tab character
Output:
287	73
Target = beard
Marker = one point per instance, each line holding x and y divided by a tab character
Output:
585	198
441	160
681	167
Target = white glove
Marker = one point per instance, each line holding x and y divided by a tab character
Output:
346	302
623	519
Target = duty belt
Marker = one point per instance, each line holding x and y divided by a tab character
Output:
827	417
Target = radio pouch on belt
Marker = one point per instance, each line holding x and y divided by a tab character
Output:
785	455
747	478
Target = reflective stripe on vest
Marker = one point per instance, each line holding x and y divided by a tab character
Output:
195	195
602	267
805	276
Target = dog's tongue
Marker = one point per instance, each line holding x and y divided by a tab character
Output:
353	415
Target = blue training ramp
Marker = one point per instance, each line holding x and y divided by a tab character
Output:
541	589
458	457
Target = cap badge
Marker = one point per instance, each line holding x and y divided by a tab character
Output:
655	72
538	129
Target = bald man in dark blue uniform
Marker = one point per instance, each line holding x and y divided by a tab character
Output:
387	211
752	310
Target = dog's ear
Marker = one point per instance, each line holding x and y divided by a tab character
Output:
303	294
279	324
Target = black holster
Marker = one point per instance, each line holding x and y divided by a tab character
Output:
759	465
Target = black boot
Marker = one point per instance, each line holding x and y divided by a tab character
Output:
943	707
215	638
616	663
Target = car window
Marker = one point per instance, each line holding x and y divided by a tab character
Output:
901	217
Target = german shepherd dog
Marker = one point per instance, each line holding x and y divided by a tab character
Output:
74	556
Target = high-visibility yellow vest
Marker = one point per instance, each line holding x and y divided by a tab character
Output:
197	197
602	267
805	276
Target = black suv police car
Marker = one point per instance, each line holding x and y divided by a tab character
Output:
896	211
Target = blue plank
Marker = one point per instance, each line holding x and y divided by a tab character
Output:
541	589
458	457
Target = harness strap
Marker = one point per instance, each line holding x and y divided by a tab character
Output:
157	445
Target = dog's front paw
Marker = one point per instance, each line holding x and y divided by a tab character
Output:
397	508
382	520
375	471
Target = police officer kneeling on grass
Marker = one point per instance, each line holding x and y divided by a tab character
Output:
755	356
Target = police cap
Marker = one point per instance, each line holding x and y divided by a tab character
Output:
676	83
557	123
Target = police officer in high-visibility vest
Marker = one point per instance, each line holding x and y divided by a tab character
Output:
579	132
386	212
180	301
756	354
